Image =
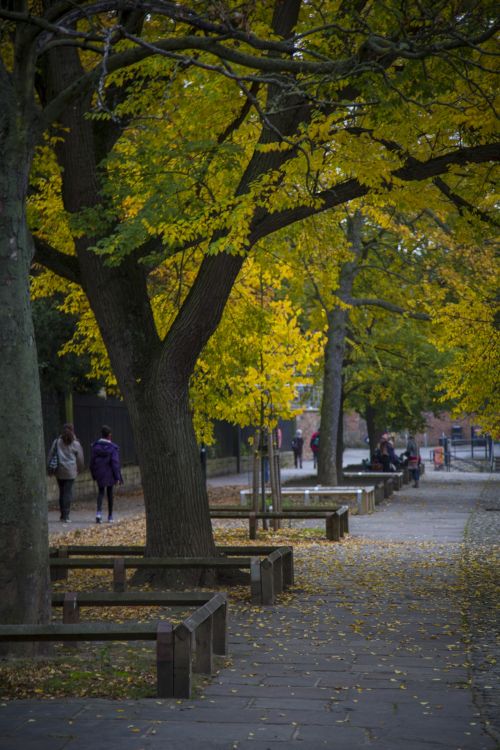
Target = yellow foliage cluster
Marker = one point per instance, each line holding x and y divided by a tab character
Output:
469	327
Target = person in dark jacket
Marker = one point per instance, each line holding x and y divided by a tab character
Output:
387	453
413	459
298	447
105	469
314	446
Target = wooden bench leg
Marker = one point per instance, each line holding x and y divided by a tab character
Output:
119	576
203	661
252	526
267	581
220	630
165	660
329	527
345	519
338	531
278	575
255	581
71	615
71	609
288	574
60	574
182	662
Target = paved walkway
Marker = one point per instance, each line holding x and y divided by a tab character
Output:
385	646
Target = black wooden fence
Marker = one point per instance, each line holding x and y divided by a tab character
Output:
90	412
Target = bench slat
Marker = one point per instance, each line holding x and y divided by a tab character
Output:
139	598
83	550
87	631
152	562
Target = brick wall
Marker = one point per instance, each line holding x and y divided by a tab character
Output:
355	429
443	423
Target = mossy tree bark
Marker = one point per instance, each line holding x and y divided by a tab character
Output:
24	577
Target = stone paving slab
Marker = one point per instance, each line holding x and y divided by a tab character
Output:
372	658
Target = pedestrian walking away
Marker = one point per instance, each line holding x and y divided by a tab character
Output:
65	461
314	446
298	447
413	460
106	470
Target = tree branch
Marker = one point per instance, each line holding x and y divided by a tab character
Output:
349	190
460	203
59	263
382	303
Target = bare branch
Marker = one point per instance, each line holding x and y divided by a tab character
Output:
385	305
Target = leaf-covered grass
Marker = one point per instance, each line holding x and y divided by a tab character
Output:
115	671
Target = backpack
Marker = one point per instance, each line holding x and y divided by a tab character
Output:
53	462
315	442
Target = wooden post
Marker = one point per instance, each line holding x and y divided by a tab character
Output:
275	500
220	629
333	527
345	517
182	661
267	581
203	661
71	610
278	572
165	660
288	573
60	574
255	581
359	501
252	525
255	476
119	576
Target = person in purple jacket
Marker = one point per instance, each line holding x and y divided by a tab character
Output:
105	469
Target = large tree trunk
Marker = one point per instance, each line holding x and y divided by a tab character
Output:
171	473
332	396
177	514
340	439
338	320
373	427
24	579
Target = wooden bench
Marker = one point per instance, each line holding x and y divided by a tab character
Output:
387	482
400	477
123	550
175	657
336	519
363	497
269	576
